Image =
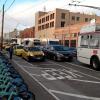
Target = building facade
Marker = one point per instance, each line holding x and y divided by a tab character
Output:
69	35
13	34
47	22
28	33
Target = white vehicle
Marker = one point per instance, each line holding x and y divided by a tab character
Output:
49	42
88	50
16	41
31	42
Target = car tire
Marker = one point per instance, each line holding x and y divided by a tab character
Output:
70	59
28	59
54	58
95	64
22	56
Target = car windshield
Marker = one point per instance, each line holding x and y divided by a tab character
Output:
53	42
33	49
59	48
19	47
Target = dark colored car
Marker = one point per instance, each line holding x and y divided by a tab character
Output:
73	50
58	53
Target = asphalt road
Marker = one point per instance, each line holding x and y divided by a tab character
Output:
60	80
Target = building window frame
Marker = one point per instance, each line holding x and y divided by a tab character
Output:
77	18
62	23
63	15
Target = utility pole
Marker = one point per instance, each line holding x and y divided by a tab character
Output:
2	27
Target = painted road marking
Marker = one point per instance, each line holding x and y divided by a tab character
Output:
78	71
54	74
36	75
53	91
74	95
37	81
71	74
80	66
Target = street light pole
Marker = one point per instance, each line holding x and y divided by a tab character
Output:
2	28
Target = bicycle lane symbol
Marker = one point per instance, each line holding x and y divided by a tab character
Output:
55	74
70	74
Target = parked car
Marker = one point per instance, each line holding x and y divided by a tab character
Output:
58	53
73	50
18	50
33	53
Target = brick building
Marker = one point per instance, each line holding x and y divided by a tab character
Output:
69	35
47	22
28	33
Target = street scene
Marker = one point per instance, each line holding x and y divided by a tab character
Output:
49	50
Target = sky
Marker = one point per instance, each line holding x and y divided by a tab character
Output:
22	12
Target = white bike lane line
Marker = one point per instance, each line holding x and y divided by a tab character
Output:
74	95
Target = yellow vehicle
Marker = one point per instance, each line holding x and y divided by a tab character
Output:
18	50
33	53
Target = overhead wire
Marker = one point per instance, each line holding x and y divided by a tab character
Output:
10	5
29	8
5	2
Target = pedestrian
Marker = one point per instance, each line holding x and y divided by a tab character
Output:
11	51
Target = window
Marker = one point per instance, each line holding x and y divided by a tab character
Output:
77	18
39	27
52	24
52	16
62	23
84	41
63	15
47	18
73	17
39	22
67	35
94	41
74	34
43	27
43	20
73	43
86	19
48	25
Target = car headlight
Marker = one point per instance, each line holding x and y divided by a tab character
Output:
30	54
59	55
42	53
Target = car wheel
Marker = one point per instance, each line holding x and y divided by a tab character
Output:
55	58
70	59
22	56
95	64
28	59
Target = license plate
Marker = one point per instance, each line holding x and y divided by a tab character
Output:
38	58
